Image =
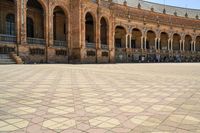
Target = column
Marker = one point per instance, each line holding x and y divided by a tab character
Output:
183	45
156	43
145	42
51	36
17	17
194	46
171	44
23	21
142	40
130	38
180	43
168	44
126	40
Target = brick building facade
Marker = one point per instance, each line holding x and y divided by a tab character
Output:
96	31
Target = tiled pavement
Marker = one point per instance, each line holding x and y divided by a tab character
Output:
122	98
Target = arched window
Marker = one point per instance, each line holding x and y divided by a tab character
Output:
89	29
103	31
10	24
30	25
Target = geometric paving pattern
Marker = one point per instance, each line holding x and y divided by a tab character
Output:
111	98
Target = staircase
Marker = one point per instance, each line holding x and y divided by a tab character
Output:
6	59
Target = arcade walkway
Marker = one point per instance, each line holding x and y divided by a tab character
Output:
121	98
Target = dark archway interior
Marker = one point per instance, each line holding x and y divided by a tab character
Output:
150	44
89	28
136	39
176	42
164	41
35	11
198	43
104	32
59	24
188	40
120	37
8	17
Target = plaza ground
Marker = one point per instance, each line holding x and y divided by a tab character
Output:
112	98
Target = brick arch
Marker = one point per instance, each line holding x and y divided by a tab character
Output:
197	40
121	25
140	29
43	4
164	40
94	25
108	28
136	39
188	41
45	11
150	44
65	10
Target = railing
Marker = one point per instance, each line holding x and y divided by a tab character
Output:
7	38
90	45
60	43
104	46
36	41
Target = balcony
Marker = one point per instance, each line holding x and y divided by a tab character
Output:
104	47
91	45
36	41
8	38
59	43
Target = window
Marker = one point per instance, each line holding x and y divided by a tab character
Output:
30	31
10	24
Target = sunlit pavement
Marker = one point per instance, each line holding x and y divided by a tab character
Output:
116	98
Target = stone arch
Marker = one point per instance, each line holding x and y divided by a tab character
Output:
39	27
7	27
120	37
151	36
164	37
198	43
176	41
121	25
60	24
90	28
136	38
188	42
104	30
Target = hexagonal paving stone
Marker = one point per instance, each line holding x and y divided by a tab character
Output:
145	121
22	110
163	108
131	109
60	110
59	123
97	109
12	124
104	122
